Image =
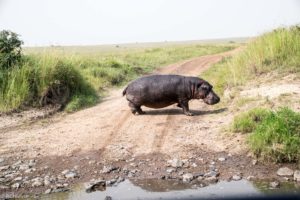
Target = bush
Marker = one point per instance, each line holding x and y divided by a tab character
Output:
273	135
10	49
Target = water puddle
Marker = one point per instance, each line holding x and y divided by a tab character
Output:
164	189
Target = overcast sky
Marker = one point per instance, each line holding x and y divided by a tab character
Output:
83	22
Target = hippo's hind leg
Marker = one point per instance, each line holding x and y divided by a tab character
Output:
135	109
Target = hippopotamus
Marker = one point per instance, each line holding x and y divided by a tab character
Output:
158	91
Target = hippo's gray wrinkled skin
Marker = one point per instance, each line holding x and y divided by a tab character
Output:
158	91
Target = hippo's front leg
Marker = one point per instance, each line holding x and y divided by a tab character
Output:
184	104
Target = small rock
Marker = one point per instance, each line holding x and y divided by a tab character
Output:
221	159
37	179
176	163
108	169
212	162
286	178
27	171
120	179
48	191
15	185
170	170
37	184
212	174
236	177
297	175
24	167
108	198
1	160
180	173
31	163
133	164
200	178
275	184
250	178
188	177
3	168
95	185
61	177
59	190
211	179
18	178
71	175
254	162
4	187
198	174
186	163
285	171
91	162
65	184
212	167
110	182
130	160
76	167
194	165
59	185
47	182
65	172
19	162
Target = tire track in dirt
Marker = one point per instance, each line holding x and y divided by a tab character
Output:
114	133
160	138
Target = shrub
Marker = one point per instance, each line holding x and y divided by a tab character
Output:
10	49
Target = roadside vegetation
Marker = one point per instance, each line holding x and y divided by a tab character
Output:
272	134
77	78
277	51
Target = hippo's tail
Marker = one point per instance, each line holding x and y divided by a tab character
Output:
124	91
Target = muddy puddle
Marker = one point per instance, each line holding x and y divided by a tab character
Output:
164	189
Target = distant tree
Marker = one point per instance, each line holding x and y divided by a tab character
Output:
10	49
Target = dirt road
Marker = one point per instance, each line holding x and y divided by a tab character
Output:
111	127
108	142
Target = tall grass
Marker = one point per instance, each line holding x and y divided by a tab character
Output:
25	85
84	74
277	50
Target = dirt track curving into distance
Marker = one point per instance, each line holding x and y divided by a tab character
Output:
113	129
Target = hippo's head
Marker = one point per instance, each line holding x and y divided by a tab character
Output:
201	89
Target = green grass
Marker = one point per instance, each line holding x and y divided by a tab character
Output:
278	51
85	72
24	85
248	121
274	135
